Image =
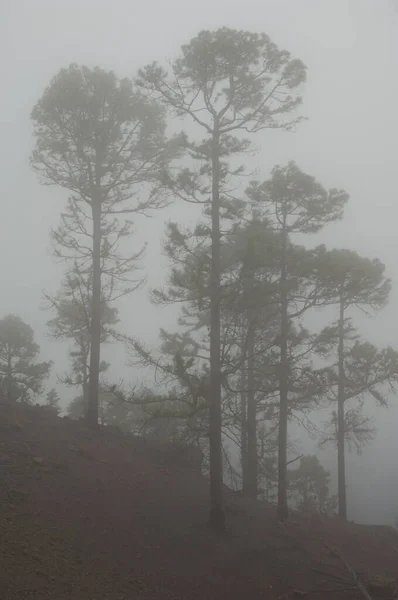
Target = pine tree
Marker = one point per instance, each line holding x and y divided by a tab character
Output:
53	401
227	83
21	375
99	139
360	368
296	204
72	322
309	485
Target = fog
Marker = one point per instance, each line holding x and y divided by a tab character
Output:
350	141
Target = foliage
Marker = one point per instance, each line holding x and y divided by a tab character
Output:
309	486
242	363
72	322
229	84
294	203
53	401
73	310
359	282
140	412
103	142
22	376
92	129
76	409
370	372
241	77
354	280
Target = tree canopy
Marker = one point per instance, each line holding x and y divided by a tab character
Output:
21	374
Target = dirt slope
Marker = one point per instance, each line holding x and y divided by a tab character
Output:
95	516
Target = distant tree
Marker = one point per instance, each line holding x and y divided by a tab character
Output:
250	271
186	403
246	270
140	412
77	408
309	485
110	410
145	413
227	83
102	141
356	282
72	322
53	401
368	373
256	285
22	377
296	204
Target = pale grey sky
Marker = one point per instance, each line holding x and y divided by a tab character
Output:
351	139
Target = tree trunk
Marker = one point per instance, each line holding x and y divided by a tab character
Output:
282	509
9	378
85	386
95	342
342	492
217	516
243	428
251	414
84	349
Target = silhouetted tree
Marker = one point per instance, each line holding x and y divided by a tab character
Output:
22	377
297	204
53	401
72	322
309	485
355	281
102	141
227	82
364	372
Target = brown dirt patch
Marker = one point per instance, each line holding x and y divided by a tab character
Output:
101	515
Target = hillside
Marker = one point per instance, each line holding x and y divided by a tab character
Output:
101	515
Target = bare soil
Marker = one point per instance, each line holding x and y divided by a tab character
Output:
105	516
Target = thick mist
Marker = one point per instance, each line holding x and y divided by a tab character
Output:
349	141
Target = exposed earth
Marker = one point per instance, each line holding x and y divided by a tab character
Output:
101	515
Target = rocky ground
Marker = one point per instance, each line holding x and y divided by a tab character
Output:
104	516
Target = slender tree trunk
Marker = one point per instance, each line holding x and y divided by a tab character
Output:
85	385
251	414
9	379
243	426
217	516
282	509
342	492
95	342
